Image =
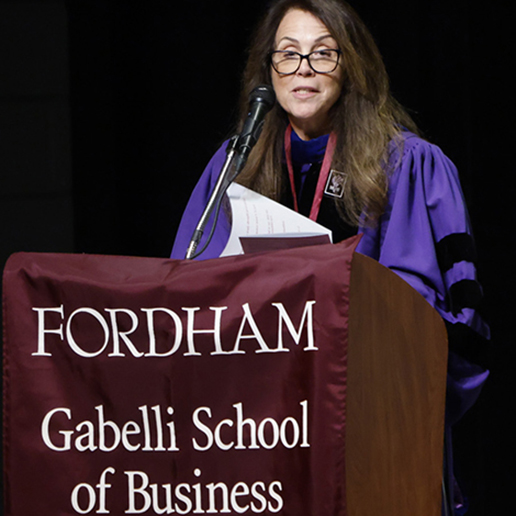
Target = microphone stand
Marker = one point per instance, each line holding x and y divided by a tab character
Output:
238	150
221	186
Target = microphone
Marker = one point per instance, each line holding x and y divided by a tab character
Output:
261	100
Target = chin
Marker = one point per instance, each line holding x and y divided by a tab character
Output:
304	118
310	124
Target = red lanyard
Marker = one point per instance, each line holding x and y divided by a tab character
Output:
323	174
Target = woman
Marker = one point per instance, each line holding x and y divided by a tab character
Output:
334	107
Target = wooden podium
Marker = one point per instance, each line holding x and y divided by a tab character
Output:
388	414
396	394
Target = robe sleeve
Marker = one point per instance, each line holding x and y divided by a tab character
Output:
194	209
425	237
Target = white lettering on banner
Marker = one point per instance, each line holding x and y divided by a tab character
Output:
106	436
71	341
102	486
42	330
111	324
178	325
154	434
216	331
283	316
267	433
256	335
211	498
117	334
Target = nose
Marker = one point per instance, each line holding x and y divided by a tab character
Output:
305	68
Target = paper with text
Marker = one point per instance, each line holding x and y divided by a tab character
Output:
256	215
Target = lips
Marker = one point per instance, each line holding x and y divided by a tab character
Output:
304	89
303	92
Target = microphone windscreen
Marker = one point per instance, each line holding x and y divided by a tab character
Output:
263	93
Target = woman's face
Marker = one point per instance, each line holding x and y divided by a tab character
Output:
306	96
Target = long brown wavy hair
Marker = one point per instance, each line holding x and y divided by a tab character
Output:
365	118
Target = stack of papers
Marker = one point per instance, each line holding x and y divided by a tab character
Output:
260	224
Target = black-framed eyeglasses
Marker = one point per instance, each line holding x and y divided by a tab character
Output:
287	62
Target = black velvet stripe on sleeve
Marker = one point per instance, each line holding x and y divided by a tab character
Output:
468	344
465	294
454	248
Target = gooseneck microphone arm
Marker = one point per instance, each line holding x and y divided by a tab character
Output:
214	201
261	101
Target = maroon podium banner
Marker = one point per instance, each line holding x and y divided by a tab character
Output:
154	386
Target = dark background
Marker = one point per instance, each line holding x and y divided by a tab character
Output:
109	111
